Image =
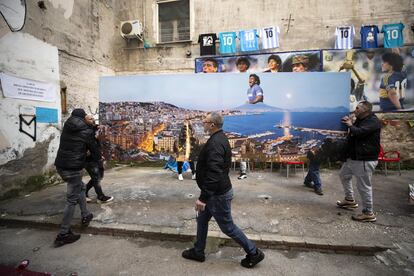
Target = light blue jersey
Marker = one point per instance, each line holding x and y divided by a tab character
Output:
227	42
249	40
253	92
393	35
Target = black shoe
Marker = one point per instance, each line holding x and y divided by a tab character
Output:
242	176
252	260
66	238
191	254
318	191
105	199
86	220
309	185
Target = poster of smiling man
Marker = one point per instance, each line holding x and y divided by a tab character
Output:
143	116
384	77
260	63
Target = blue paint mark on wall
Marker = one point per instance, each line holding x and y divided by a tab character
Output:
46	115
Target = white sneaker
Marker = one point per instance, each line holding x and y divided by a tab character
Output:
194	177
88	199
180	177
242	176
105	199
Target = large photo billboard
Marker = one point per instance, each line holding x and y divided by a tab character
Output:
384	77
143	116
308	61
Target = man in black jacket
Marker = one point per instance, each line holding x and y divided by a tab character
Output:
94	166
216	194
75	141
363	149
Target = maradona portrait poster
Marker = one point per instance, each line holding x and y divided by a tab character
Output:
384	77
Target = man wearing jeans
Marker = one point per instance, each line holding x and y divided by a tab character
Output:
363	149
216	194
75	141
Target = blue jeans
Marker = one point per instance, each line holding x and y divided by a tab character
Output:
219	207
313	176
75	195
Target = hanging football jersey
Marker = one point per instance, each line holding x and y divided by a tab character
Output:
393	35
248	40
207	44
270	37
344	37
227	42
369	36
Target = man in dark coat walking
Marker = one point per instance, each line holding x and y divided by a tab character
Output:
75	141
216	194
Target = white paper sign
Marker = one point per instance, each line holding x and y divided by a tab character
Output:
27	110
27	89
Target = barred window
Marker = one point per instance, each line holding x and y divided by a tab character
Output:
173	20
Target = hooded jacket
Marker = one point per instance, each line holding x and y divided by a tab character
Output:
77	137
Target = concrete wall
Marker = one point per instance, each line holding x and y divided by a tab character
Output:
67	42
312	26
25	56
83	32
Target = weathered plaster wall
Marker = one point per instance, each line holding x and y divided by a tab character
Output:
83	32
312	26
25	56
68	41
397	134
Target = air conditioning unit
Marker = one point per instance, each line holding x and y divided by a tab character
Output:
131	29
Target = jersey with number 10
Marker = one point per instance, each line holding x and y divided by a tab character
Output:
344	37
248	40
270	37
393	35
227	42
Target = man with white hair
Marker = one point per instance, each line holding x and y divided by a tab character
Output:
216	194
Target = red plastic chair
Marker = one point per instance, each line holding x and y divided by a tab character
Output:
389	157
294	163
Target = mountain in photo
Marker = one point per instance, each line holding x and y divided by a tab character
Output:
259	107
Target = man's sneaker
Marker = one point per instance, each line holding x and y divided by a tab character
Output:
318	191
66	238
242	176
307	184
194	177
347	204
365	217
191	254
88	199
105	199
86	220
252	260
180	177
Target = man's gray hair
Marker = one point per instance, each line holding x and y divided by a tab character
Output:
217	119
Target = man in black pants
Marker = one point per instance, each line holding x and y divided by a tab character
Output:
94	167
75	141
216	194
